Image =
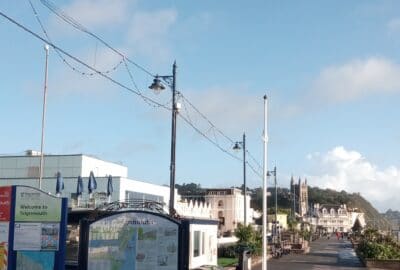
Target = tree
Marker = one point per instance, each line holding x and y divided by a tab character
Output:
357	227
191	191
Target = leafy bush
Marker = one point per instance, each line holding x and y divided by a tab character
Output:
373	245
373	250
227	251
248	239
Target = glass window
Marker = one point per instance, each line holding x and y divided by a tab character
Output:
203	241
196	244
220	203
132	195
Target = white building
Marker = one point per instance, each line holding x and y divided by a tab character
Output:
227	206
24	170
335	217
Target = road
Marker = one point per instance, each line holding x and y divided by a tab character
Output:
324	254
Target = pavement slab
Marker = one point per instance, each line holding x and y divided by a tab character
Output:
333	253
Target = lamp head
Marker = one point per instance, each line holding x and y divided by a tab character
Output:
236	147
157	85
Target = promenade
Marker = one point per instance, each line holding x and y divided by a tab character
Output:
324	254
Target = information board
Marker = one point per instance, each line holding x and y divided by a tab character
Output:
33	227
133	241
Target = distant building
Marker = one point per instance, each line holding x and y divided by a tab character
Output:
334	218
282	221
299	194
227	206
24	170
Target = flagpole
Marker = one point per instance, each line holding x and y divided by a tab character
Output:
265	170
46	48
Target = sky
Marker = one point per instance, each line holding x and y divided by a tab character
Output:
330	70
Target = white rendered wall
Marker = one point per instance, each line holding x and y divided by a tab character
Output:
233	209
209	257
67	165
148	188
102	168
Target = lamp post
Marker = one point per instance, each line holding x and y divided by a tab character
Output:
157	86
269	173
46	48
265	170
238	146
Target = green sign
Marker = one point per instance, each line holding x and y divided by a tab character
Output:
33	205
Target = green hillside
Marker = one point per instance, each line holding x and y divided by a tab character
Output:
323	196
285	203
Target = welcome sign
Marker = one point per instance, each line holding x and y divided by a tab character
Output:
32	205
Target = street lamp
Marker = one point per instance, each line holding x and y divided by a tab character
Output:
269	173
157	86
265	170
237	147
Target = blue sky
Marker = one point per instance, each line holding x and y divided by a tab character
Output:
330	69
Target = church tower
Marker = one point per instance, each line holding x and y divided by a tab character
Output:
303	198
299	195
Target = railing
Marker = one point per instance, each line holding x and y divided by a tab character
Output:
101	205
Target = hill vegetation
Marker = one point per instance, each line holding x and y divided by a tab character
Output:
285	202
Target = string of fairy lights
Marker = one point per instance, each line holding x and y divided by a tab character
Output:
189	112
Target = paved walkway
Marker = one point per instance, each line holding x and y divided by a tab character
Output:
324	254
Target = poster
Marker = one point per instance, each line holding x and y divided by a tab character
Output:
4	229
50	236
5	203
134	241
5	208
36	236
27	236
33	205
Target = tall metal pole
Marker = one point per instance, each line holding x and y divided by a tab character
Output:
276	205
265	170
173	145
46	48
244	179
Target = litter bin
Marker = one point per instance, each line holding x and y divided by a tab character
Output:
244	260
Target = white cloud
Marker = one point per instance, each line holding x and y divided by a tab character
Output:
357	79
394	25
145	33
233	111
342	169
98	13
148	32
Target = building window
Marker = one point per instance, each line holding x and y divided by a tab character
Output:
133	196
220	203
203	241
196	244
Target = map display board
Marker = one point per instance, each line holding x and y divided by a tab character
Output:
133	241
